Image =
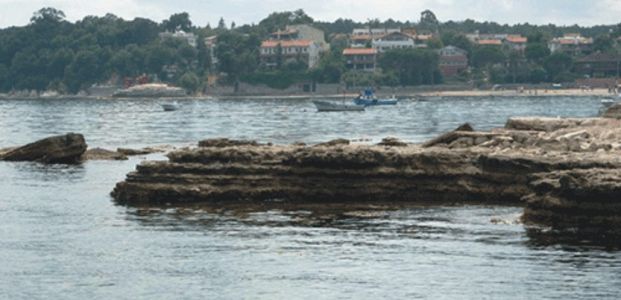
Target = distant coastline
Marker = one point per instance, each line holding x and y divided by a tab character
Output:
539	92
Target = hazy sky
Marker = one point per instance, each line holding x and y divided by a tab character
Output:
562	12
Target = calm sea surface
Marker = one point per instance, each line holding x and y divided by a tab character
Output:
61	236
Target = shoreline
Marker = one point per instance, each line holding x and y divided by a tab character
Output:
426	94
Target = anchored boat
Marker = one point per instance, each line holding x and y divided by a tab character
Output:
325	106
170	106
369	99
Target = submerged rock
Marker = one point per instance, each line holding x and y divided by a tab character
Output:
132	152
66	148
225	143
103	154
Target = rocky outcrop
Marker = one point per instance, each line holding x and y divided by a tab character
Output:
141	151
581	201
220	143
103	154
551	165
613	112
461	166
66	148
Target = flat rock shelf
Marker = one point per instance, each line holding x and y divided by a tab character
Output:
556	167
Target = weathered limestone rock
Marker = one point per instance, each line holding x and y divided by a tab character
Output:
225	143
392	142
613	112
568	171
332	143
585	201
66	148
103	154
132	152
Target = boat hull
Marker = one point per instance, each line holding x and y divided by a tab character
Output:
170	107
324	106
374	102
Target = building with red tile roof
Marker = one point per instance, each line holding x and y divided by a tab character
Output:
364	59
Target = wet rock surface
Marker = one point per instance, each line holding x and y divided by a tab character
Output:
103	154
582	201
550	165
66	148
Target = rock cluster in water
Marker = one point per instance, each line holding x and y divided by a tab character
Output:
565	170
67	148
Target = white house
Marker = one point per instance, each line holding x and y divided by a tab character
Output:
395	40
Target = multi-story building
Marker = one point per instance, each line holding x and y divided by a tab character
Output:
295	43
364	59
572	44
598	65
302	32
452	61
274	52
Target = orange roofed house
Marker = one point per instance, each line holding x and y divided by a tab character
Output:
364	59
274	52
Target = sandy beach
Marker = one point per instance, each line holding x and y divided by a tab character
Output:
524	93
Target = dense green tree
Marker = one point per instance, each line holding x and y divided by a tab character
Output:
485	56
412	66
429	21
537	52
4	76
538	75
48	15
237	54
82	71
279	20
557	63
190	82
603	43
178	22
330	69
434	43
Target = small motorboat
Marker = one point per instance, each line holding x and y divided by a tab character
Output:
608	101
325	106
368	98
170	106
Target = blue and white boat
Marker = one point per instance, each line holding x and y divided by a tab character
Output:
369	99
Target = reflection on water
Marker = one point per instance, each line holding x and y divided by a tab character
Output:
62	237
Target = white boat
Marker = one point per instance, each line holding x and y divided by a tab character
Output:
325	106
607	101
